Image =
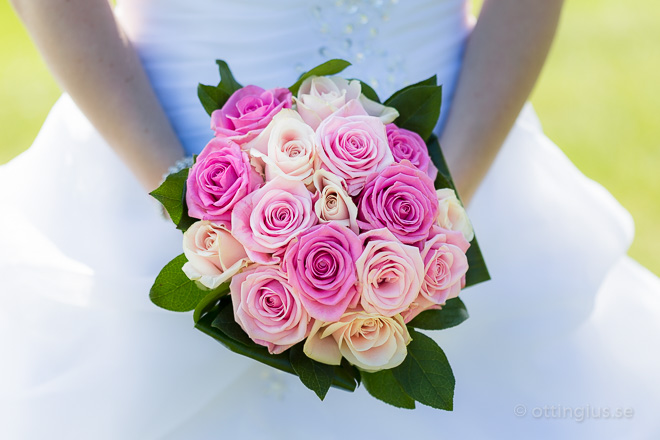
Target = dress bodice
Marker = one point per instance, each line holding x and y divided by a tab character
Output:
391	43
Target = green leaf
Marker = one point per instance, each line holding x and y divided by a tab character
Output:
425	374
210	300
213	326
214	97
314	375
419	109
452	313
330	67
432	81
383	386
172	289
478	271
369	92
171	194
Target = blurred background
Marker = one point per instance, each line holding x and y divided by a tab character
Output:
598	99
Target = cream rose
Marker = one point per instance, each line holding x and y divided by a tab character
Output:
333	202
321	96
370	342
213	254
285	148
452	214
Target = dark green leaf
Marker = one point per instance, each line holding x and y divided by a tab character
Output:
171	194
383	386
451	314
425	374
172	289
330	67
478	271
314	375
210	300
419	109
432	81
214	97
369	92
206	322
225	322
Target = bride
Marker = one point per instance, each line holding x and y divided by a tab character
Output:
562	343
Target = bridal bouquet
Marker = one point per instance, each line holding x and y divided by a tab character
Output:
321	231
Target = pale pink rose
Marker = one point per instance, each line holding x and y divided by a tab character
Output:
219	179
452	214
285	148
445	265
321	266
408	145
353	145
268	309
268	219
333	204
321	96
248	111
213	254
390	273
370	342
418	306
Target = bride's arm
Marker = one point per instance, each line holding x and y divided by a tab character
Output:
95	63
503	59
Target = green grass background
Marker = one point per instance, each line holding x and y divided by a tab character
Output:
598	99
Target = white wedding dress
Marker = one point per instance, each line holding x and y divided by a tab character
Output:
567	322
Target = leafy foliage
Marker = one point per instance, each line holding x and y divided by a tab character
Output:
419	108
425	374
314	375
330	67
452	313
172	289
172	195
214	97
384	386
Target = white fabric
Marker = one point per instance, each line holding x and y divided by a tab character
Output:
567	321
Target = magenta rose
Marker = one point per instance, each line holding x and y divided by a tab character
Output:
268	219
321	266
353	145
268	309
402	199
408	145
219	179
445	264
390	273
248	111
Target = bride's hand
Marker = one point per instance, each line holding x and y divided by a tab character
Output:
503	59
94	62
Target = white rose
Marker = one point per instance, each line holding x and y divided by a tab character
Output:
452	214
285	148
333	202
370	342
213	254
321	96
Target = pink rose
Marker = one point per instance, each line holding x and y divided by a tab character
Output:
248	111
408	145
219	179
285	148
321	96
268	219
321	266
268	309
418	306
445	265
402	199
370	342
213	254
333	204
390	273
353	145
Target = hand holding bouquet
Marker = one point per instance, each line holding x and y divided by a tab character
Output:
320	231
